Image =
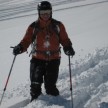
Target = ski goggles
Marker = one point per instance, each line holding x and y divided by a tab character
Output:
42	12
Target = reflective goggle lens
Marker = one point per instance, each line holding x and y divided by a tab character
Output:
42	12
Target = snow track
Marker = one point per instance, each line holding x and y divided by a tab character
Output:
10	9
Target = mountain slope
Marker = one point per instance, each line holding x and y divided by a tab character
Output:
87	28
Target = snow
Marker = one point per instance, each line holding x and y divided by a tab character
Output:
87	28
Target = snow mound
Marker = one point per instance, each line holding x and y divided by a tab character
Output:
90	85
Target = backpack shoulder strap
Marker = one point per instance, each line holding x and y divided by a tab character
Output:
56	27
56	21
36	28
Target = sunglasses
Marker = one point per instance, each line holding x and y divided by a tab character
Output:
42	12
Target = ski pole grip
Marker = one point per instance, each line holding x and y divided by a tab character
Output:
12	47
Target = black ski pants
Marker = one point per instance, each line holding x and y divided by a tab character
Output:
44	71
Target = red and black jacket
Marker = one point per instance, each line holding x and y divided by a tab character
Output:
47	44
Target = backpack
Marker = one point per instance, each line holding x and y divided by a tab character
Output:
55	25
56	28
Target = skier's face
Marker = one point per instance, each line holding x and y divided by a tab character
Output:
45	14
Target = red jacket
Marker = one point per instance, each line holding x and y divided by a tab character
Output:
47	44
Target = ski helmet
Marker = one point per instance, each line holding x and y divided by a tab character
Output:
44	5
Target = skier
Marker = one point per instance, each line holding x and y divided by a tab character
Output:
45	35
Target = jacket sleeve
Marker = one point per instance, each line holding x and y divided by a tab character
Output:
64	39
27	39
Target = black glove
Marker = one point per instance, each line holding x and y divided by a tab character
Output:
69	50
17	49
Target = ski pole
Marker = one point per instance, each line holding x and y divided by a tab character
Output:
71	89
7	80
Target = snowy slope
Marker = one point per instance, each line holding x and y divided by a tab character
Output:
90	86
87	27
